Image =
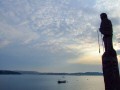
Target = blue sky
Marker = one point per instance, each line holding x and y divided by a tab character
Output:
54	35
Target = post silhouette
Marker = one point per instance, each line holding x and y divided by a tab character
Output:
109	58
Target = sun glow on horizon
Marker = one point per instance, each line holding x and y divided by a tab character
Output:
90	56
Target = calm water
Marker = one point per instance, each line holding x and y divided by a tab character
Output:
44	82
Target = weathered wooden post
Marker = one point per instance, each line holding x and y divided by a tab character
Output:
109	58
111	71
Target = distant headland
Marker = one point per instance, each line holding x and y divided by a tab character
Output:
8	72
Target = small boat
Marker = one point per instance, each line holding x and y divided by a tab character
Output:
61	81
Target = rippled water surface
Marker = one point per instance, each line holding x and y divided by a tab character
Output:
48	82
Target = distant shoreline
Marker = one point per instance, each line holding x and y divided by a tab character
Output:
9	72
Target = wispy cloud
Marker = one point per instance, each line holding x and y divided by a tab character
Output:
64	29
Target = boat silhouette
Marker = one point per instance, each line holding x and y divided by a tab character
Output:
61	81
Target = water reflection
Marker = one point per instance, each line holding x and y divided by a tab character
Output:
39	82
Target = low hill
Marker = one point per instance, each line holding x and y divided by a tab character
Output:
6	72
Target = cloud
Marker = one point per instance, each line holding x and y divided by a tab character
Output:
108	5
13	35
65	31
4	43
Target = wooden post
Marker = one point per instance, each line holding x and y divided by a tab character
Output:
111	71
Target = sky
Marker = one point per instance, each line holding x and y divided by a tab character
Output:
55	35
